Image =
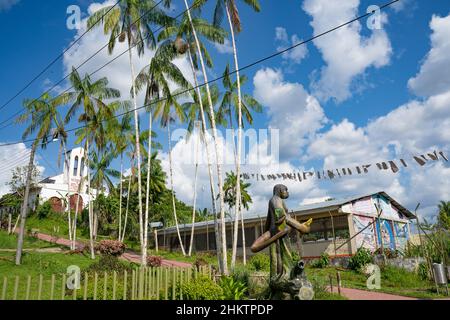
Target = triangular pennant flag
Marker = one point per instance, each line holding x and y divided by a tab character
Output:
330	174
442	155
419	161
394	167
433	156
403	163
366	167
358	169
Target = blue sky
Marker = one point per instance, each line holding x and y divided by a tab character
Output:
346	99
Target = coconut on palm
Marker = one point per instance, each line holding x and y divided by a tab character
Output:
180	45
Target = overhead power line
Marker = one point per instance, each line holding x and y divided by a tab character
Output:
54	61
181	93
79	66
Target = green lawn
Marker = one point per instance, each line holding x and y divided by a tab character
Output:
54	224
10	242
393	280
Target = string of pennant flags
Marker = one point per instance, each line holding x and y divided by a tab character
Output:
331	174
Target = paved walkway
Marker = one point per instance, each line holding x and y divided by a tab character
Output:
129	255
356	294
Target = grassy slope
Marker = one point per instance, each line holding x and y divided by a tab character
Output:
393	280
10	242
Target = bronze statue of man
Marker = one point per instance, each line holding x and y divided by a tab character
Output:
283	270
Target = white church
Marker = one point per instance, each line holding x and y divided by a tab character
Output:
72	181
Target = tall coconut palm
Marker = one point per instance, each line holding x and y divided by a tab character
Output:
198	3
167	110
133	154
444	214
234	22
130	21
194	111
182	32
231	103
42	115
117	130
89	96
156	77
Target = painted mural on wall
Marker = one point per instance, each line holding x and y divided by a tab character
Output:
402	234
385	234
366	238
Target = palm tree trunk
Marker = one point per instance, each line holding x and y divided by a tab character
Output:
214	131
128	202
68	195
24	212
138	152
238	164
120	194
91	226
147	195
208	159
195	195
173	194
74	228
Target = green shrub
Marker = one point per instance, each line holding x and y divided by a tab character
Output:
422	271
259	262
108	263
322	262
154	261
362	257
110	247
232	289
241	273
202	288
44	210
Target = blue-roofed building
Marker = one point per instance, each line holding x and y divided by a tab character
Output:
339	228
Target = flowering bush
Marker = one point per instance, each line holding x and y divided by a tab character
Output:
111	247
154	261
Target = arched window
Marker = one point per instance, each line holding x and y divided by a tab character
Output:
75	167
82	167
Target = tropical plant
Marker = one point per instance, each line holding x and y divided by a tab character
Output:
444	214
234	21
130	21
202	288
89	96
232	289
322	262
41	114
362	257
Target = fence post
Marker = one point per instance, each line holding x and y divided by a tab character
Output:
331	282
140	283
339	282
133	276
5	285
158	272
166	289
182	275
63	287
16	288
114	285
27	296
86	276
52	288
40	287
149	283
125	275
105	285
174	280
95	285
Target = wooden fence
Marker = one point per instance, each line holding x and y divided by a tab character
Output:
159	283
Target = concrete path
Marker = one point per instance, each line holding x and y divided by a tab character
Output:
130	256
356	294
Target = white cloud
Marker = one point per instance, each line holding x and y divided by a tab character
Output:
293	56
290	108
346	53
5	5
433	77
118	72
11	157
225	48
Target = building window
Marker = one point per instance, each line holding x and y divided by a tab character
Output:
82	167
75	167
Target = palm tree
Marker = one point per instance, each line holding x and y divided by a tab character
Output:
129	21
444	214
164	110
231	101
89	96
156	77
117	130
135	153
194	112
42	116
200	53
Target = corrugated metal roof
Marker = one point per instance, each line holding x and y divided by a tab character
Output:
307	209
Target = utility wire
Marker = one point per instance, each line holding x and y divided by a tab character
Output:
83	63
278	53
54	60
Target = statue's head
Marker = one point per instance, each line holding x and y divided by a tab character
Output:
281	190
